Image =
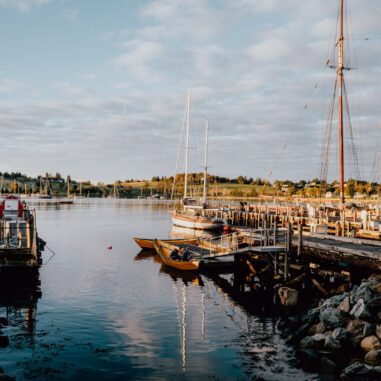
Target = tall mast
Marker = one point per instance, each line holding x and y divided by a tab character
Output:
340	74
206	160
80	188
187	147
68	186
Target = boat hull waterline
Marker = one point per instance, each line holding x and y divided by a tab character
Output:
196	222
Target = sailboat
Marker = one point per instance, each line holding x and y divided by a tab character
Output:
67	201
194	216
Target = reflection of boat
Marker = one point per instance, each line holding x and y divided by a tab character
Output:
147	254
185	276
165	249
147	243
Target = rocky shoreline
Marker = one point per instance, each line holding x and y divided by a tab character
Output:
341	337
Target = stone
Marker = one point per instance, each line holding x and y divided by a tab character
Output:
333	318
4	341
360	311
378	331
341	334
312	330
373	282
364	292
378	288
320	328
313	342
327	365
345	305
312	316
373	357
309	359
357	370
333	301
369	329
288	296
331	344
374	304
356	327
298	335
356	341
3	321
368	343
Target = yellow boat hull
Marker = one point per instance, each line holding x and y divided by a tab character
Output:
164	250
147	243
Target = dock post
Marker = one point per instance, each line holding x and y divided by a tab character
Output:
34	244
300	239
286	265
275	229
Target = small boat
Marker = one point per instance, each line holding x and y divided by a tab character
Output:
194	221
65	202
147	243
164	250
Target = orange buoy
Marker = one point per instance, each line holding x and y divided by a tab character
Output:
109	247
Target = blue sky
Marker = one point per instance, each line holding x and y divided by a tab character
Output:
97	88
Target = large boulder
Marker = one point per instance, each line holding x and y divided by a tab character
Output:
368	343
374	304
345	305
331	344
311	317
327	365
333	318
333	301
356	327
309	359
360	311
342	335
313	342
373	357
358	371
363	292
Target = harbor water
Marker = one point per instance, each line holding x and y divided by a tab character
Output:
118	313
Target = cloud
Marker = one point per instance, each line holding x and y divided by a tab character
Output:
24	5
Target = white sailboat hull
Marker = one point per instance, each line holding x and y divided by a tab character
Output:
196	222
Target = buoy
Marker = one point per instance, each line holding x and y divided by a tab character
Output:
109	247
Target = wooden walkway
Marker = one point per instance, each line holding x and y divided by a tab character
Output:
348	251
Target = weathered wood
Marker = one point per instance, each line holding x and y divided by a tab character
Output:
319	287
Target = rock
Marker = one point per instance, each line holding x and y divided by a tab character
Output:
345	305
378	288
373	282
312	316
309	359
313	329
378	331
331	344
373	357
364	293
333	318
313	342
356	341
3	321
320	328
342	335
360	311
288	296
327	365
356	327
368	343
298	335
357	371
374	304
333	301
4	341
369	329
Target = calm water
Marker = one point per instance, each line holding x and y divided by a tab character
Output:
119	314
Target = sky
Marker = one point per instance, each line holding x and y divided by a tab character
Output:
97	89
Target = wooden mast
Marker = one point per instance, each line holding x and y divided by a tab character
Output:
187	147
206	161
340	74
